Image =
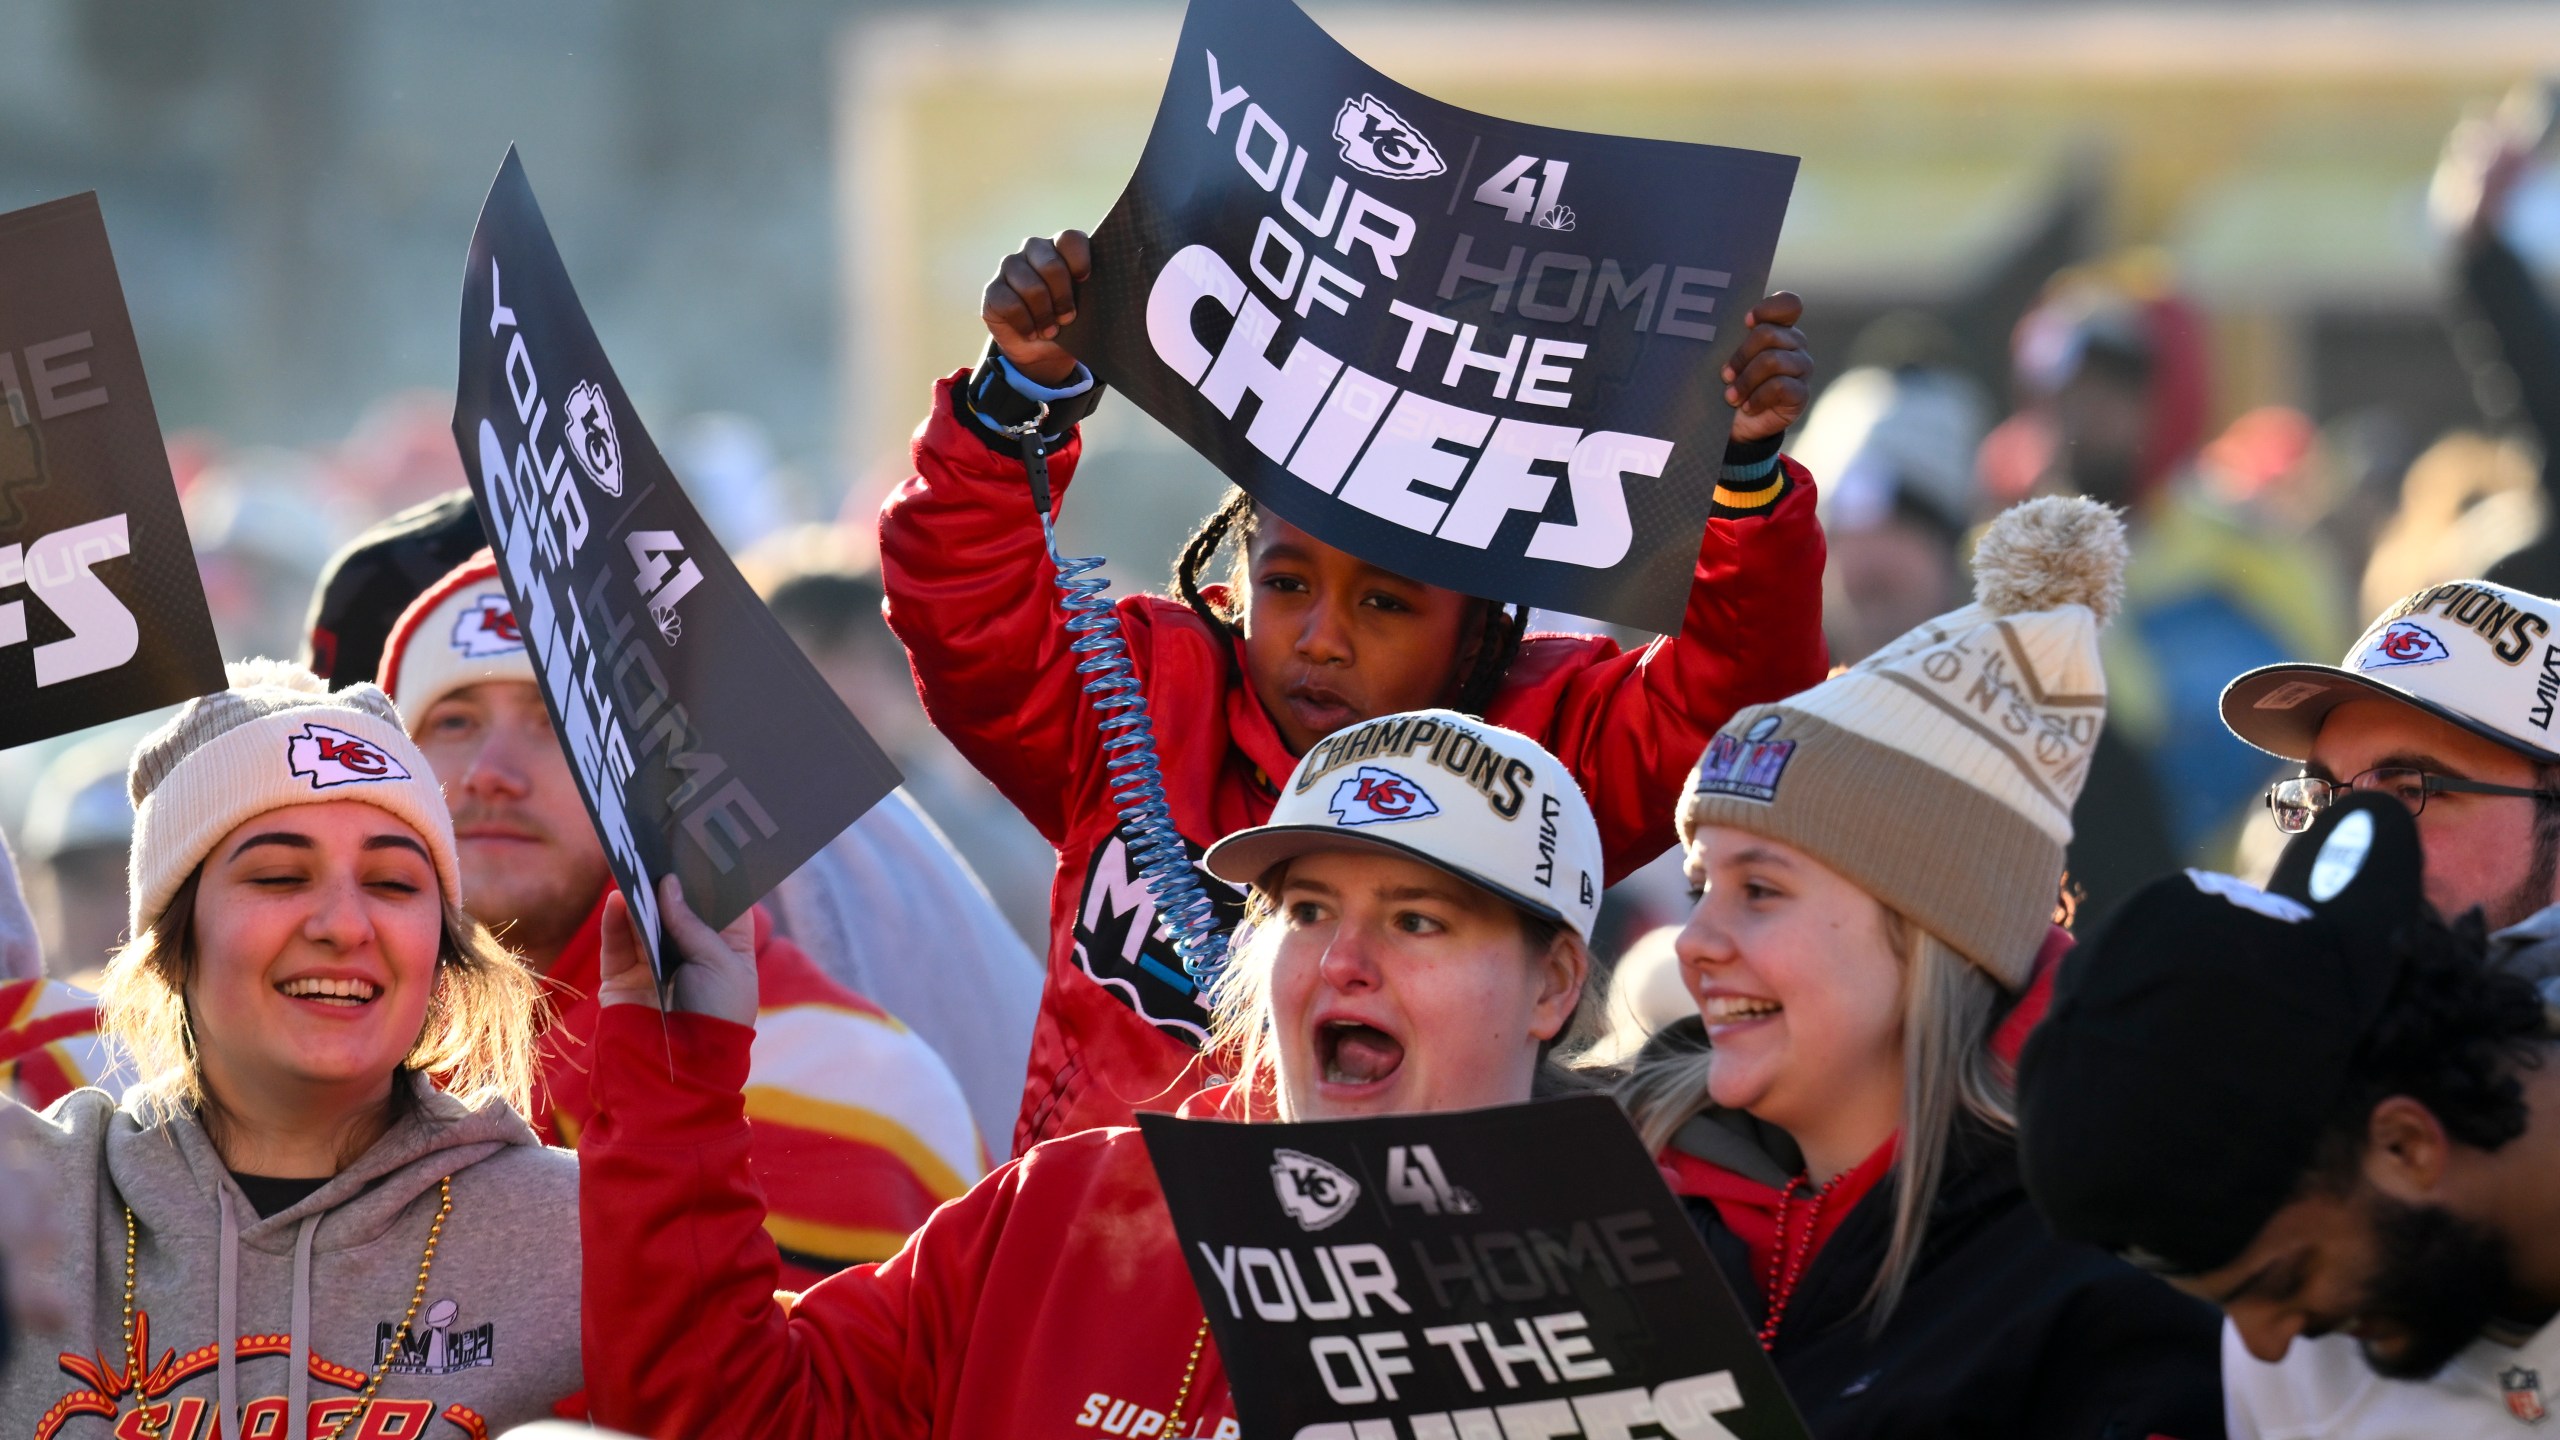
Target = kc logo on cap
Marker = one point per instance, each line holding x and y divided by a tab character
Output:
1486	804
2475	654
2402	642
1378	796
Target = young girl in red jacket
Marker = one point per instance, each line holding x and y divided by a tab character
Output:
1300	641
1878	860
1427	971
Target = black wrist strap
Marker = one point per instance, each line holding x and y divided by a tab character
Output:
997	412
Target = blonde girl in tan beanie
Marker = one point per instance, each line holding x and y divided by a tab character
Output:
288	1229
1878	861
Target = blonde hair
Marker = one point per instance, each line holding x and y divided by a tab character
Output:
1949	1008
1239	1001
476	1042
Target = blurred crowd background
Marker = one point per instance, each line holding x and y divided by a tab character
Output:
2278	279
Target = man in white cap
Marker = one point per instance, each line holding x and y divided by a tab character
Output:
2450	702
858	1128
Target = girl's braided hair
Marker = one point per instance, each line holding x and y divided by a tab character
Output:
1502	625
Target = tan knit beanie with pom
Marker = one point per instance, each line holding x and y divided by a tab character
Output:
277	737
1939	773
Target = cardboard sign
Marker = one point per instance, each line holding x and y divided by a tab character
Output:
704	743
1482	354
101	611
1464	1276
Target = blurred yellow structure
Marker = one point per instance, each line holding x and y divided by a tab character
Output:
2279	153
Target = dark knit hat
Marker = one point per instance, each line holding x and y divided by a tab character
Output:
2173	1099
366	585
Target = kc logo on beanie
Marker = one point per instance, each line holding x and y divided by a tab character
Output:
327	756
461	632
277	737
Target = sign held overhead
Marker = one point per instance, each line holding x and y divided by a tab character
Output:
1479	353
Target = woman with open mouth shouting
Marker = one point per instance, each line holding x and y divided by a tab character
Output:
287	1229
1419	906
1878	860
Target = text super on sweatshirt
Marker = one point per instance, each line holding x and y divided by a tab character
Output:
281	1321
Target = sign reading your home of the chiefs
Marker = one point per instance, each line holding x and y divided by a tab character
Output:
101	612
1480	353
1505	1272
703	741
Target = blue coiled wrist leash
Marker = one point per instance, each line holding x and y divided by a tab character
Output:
1136	780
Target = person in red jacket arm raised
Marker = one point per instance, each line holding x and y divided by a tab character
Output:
1878	861
1301	641
1395	964
860	1129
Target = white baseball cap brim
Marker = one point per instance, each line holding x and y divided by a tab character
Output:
2280	709
1248	855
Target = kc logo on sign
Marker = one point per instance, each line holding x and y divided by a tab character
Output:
1377	141
1314	1192
329	756
1377	796
587	421
2403	642
487	628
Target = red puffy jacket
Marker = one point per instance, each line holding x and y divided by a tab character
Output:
1050	1297
969	592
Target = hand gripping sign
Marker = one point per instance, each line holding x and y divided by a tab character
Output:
704	744
1482	1273
1483	354
101	612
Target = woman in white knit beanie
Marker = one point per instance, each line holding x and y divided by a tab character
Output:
1879	860
317	1212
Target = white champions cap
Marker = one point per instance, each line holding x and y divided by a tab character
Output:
1486	804
2470	653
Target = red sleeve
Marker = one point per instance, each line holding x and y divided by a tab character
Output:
971	595
683	1333
1631	727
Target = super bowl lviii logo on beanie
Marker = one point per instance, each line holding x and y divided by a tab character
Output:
326	756
1749	764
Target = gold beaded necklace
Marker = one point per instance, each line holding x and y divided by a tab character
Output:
444	1208
1181	1397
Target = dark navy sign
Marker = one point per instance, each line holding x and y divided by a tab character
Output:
1479	353
704	744
1467	1276
101	612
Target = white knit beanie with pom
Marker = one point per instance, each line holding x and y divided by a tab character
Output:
277	737
1939	773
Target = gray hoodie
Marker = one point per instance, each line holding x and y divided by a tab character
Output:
288	1316
2531	948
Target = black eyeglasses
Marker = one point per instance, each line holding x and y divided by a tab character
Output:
2296	802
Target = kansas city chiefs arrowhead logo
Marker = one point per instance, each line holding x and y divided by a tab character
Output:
2403	642
1377	141
330	756
587	424
1377	795
486	628
1314	1192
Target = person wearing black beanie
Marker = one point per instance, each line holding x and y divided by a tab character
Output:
2320	1107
